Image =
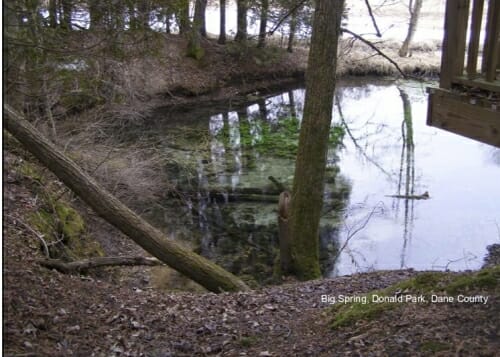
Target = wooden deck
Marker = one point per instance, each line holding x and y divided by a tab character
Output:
467	101
464	115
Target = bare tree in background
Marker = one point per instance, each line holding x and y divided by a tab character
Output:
414	8
222	35
242	9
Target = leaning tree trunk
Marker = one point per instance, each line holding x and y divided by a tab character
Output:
195	267
307	194
415	8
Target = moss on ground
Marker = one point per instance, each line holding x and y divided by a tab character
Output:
365	308
434	346
61	226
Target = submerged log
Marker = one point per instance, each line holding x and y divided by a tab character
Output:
194	266
83	265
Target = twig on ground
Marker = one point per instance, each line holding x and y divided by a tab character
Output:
16	220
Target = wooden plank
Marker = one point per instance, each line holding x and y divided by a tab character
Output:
452	60
493	86
475	33
493	29
462	22
447	111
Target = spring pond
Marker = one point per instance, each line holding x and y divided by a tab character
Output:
223	204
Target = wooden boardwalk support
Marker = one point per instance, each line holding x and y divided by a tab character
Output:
450	112
468	102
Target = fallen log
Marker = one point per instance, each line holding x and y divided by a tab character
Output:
194	266
84	265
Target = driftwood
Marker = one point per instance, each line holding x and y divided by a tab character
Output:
83	265
219	195
424	196
232	194
194	266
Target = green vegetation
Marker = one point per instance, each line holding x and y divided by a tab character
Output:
247	341
278	140
434	346
61	226
348	314
423	284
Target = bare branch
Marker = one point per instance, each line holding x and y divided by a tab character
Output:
355	141
16	220
286	16
372	46
373	18
351	233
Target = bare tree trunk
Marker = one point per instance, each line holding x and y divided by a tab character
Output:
52	13
199	17
293	29
67	8
195	267
263	23
241	34
222	35
307	194
194	44
143	10
414	7
183	17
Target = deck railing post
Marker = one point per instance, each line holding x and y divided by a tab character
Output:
475	34
452	61
492	41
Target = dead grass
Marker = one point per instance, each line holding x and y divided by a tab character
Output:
359	59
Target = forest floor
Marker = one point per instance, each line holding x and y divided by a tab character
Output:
119	311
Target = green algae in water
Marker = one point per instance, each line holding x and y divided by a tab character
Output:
278	140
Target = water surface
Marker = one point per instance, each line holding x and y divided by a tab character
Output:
386	150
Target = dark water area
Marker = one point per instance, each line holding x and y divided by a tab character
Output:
223	204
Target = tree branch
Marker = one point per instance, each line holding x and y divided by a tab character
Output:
372	46
286	16
370	12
